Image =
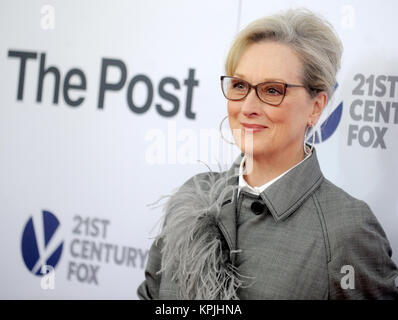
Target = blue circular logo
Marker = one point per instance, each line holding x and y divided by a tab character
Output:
328	127
40	244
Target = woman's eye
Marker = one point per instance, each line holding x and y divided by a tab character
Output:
272	91
239	85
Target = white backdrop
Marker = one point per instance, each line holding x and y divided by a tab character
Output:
77	171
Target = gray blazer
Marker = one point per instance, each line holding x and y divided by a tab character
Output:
303	238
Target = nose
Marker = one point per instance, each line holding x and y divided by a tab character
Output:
252	106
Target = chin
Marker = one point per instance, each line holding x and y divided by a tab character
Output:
253	145
253	150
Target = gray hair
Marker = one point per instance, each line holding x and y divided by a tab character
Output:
310	36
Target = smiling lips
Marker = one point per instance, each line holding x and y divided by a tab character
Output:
253	127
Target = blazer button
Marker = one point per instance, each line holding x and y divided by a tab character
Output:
257	207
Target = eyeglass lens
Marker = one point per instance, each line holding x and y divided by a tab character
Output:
237	89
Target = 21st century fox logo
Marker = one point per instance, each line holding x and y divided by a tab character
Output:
371	113
373	110
42	247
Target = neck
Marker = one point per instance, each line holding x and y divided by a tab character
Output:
264	168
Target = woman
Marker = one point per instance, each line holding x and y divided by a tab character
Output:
272	227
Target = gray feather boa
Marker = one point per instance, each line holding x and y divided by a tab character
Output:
194	250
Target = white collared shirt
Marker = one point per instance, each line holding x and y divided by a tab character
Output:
243	185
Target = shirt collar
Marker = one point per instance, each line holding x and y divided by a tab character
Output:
243	185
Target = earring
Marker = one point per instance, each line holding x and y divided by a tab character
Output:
307	150
222	121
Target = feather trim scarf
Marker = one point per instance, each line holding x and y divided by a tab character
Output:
194	250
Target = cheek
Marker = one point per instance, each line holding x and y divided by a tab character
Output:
277	116
233	108
233	112
293	128
290	114
281	119
286	121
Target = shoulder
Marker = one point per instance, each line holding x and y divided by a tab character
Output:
329	193
356	240
338	205
210	180
348	220
196	194
203	180
203	192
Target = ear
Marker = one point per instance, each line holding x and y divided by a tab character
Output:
319	103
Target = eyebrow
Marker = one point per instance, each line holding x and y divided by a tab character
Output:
265	80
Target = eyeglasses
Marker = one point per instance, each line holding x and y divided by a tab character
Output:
272	93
